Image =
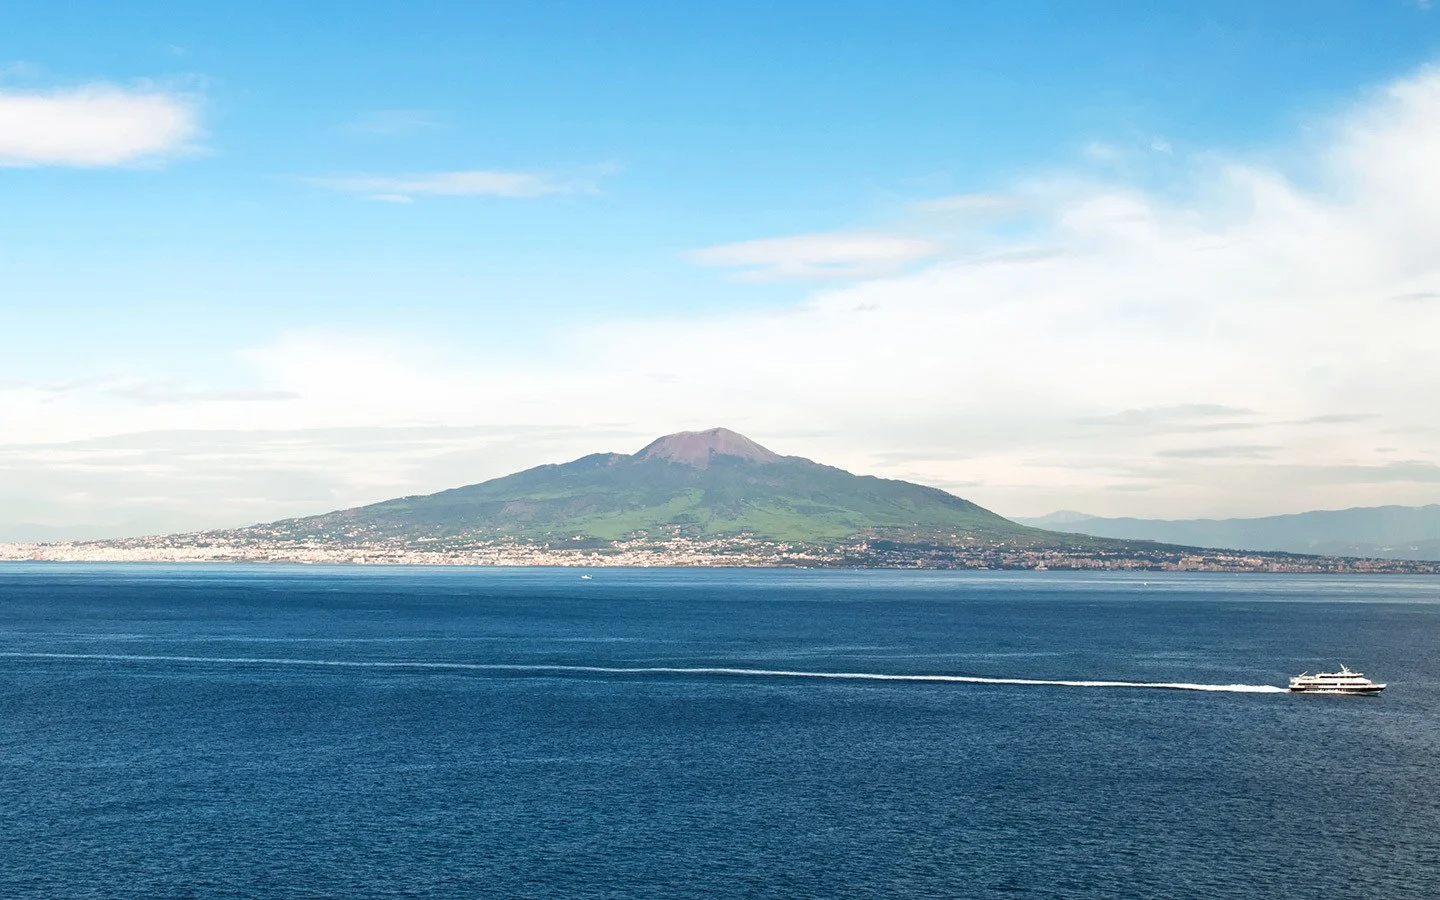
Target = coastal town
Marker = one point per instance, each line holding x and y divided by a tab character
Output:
674	551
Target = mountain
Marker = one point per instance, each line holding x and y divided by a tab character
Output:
1058	521
697	498
695	484
1383	532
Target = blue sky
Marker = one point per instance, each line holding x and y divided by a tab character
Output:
500	197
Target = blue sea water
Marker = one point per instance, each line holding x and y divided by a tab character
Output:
171	731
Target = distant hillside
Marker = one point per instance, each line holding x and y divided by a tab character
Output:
1383	532
696	484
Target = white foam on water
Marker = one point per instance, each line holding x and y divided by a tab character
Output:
646	670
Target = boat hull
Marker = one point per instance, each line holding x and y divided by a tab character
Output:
1369	690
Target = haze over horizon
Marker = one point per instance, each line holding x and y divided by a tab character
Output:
274	262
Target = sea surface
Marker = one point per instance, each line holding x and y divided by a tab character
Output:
273	731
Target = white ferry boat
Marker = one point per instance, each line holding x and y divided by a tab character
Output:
1341	682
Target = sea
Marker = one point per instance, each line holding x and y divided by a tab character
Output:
294	731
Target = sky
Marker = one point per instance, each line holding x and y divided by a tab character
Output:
1152	259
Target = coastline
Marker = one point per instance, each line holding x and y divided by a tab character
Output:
703	553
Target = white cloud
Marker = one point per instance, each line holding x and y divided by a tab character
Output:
95	125
1252	307
469	183
836	255
1229	346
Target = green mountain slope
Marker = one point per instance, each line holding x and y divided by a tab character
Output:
697	484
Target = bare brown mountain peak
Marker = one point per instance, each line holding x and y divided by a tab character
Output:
695	448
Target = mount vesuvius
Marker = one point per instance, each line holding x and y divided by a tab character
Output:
698	484
694	498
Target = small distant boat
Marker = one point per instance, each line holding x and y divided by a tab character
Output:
585	577
1341	682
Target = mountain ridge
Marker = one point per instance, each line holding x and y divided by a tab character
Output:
1382	532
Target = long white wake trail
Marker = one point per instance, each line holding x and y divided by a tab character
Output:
558	669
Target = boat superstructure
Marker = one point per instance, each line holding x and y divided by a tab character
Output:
1341	682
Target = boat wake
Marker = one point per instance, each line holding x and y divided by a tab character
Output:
558	669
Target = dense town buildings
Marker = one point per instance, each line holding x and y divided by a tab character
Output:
682	551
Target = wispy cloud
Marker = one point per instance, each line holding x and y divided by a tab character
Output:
466	183
95	125
972	204
834	255
1102	151
1232	451
1183	413
152	392
391	122
1413	471
158	392
1337	419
